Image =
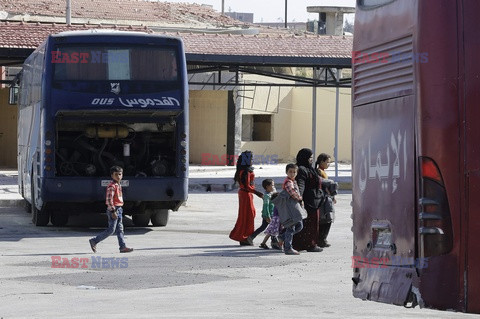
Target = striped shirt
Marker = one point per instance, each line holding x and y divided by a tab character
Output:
114	195
292	188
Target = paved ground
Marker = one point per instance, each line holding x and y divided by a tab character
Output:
189	269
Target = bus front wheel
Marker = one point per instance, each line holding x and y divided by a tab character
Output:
39	216
28	207
160	217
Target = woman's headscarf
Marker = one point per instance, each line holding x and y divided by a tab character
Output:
303	157
244	163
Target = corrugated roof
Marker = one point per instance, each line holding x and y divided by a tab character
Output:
269	45
30	35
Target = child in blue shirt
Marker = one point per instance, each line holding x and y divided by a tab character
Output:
267	211
273	229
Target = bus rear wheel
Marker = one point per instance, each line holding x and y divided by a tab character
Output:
160	217
59	219
141	220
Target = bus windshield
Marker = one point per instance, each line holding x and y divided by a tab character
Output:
114	63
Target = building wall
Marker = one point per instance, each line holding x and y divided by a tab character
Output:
277	102
208	124
8	131
301	132
241	16
291	108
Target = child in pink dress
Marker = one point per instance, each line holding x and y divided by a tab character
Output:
273	229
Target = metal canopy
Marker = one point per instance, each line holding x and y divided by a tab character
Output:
13	56
259	65
296	61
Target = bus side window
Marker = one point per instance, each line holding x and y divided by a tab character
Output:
373	3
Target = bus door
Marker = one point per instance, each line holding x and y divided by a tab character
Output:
384	217
471	8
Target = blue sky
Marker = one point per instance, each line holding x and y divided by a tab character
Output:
274	10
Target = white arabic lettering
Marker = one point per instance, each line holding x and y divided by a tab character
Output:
382	169
143	103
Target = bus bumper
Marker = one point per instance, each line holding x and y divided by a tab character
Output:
392	285
91	190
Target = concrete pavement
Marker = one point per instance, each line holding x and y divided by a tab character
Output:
189	269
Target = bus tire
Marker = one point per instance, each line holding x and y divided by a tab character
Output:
28	207
141	220
59	219
160	217
39	217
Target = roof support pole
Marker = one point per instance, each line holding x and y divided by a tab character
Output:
285	14
232	127
314	114
337	112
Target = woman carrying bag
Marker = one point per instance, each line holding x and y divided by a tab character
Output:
308	182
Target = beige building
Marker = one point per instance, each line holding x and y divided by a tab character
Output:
8	131
276	121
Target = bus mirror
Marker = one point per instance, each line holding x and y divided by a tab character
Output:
13	95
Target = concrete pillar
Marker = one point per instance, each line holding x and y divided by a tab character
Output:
332	17
334	23
234	124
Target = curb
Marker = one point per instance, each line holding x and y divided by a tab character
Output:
207	186
11	202
220	186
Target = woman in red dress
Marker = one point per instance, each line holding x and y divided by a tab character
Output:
245	177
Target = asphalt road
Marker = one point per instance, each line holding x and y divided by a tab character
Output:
189	269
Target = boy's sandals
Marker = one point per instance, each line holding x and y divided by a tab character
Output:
264	246
93	245
126	250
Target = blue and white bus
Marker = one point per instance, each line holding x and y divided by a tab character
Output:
92	99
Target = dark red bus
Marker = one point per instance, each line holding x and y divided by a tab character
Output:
416	153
